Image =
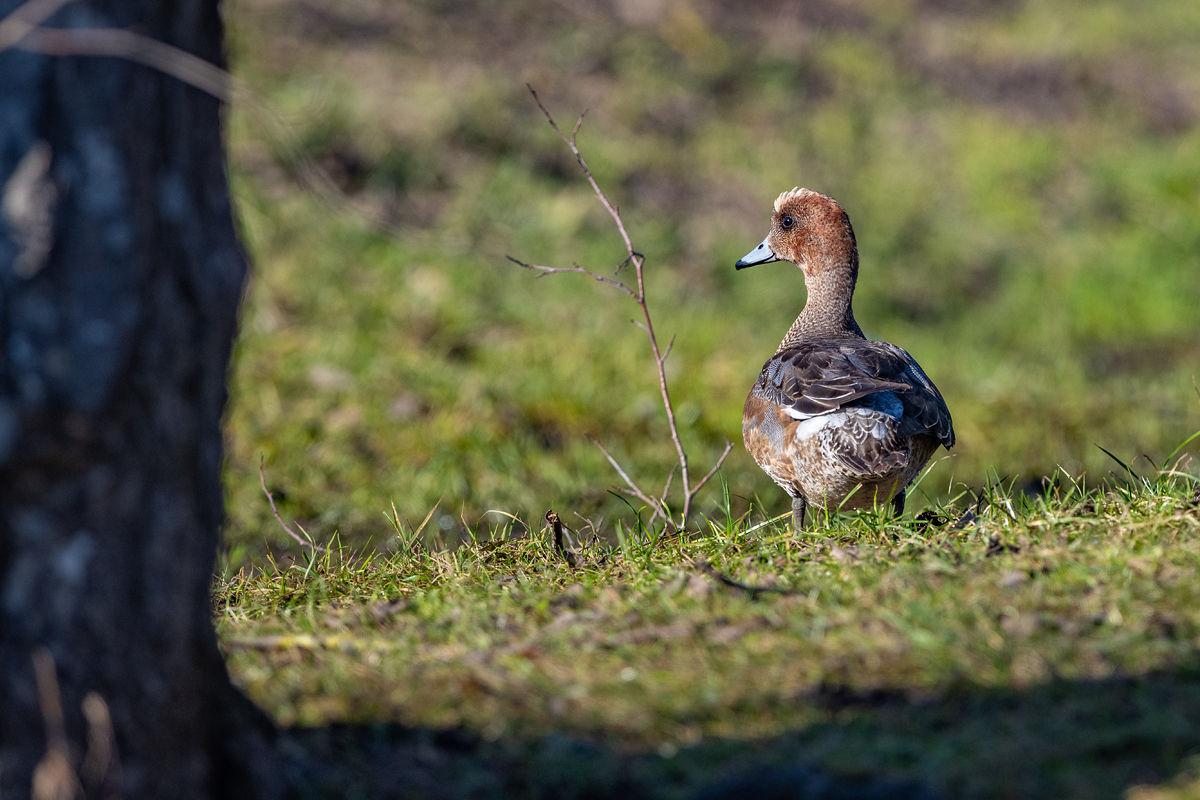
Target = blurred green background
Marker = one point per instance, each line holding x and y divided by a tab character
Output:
1023	178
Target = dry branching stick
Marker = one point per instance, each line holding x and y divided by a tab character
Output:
633	489
262	479
635	258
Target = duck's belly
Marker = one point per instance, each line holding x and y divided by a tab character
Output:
847	459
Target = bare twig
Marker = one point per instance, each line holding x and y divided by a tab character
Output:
633	487
616	215
670	347
716	466
27	16
594	526
666	488
552	270
638	263
646	324
262	479
121	43
578	122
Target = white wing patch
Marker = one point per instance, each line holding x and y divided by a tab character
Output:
812	424
795	413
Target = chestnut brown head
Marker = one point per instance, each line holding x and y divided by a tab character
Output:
810	230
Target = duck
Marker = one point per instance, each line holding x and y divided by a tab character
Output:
837	420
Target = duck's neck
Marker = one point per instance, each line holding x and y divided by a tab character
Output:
828	313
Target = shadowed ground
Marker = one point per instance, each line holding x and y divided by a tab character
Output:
1092	739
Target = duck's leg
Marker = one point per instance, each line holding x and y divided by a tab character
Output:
898	503
798	506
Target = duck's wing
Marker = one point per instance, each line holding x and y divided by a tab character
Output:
814	378
924	409
818	377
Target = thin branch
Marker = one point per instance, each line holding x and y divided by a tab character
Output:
121	43
717	466
637	492
616	215
647	325
544	271
262	479
27	16
592	525
670	346
666	489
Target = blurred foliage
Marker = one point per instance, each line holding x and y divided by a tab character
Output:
1023	177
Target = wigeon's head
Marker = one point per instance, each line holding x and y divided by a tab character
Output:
810	230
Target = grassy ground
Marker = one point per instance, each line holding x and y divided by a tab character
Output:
1043	649
1022	177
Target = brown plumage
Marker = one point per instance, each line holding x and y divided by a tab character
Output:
837	420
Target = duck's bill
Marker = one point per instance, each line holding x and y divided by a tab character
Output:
762	254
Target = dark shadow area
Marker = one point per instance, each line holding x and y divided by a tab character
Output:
395	761
1063	739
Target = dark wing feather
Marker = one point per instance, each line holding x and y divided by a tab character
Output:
816	377
821	376
924	409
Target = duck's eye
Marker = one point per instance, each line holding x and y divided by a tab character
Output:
787	221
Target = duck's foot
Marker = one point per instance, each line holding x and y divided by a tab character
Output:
798	507
898	503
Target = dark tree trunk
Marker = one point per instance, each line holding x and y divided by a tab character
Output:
120	276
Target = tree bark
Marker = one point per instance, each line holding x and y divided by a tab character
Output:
120	277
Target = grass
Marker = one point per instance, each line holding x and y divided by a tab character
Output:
1026	210
1022	178
1044	649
